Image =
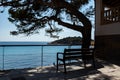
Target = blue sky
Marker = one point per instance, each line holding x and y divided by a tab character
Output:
6	27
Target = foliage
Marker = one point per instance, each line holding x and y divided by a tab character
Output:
31	15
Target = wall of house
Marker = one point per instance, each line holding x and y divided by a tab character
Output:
107	37
108	47
108	29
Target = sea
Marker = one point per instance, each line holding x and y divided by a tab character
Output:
19	55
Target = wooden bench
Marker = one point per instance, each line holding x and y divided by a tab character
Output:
75	54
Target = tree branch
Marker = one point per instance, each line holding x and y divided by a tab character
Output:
70	26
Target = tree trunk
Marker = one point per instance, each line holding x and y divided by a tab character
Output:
86	29
86	37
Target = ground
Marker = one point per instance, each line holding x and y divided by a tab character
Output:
104	71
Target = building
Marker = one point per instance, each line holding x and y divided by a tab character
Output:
107	30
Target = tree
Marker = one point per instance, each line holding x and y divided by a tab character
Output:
31	15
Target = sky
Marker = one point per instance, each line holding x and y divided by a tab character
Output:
6	27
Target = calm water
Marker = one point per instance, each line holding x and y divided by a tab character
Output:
29	56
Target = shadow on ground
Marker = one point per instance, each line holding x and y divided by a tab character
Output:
49	73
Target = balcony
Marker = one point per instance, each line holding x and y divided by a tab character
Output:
111	15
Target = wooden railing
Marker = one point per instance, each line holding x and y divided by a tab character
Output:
111	16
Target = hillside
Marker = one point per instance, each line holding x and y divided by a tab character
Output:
68	40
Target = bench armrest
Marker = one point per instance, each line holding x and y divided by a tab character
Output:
60	55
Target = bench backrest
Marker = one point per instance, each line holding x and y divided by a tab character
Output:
88	51
83	51
67	51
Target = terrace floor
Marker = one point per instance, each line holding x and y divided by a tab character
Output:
104	71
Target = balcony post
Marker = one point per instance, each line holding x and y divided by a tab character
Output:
3	57
42	56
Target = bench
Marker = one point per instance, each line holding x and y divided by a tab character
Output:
75	54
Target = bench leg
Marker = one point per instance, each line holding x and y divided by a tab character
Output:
64	66
94	63
57	64
84	62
